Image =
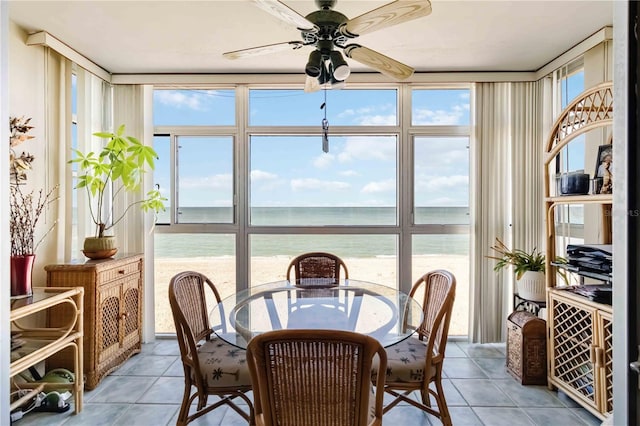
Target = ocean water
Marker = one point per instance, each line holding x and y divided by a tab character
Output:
206	245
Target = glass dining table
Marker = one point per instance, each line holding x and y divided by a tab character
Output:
379	311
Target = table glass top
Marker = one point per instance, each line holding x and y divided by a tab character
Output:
381	312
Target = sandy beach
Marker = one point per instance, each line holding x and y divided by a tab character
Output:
221	270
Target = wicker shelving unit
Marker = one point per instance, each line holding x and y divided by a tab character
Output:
580	330
42	343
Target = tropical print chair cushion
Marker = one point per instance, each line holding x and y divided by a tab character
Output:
223	364
405	362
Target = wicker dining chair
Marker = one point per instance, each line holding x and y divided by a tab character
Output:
316	377
416	362
317	272
316	265
211	365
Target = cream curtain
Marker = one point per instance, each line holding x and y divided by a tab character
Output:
129	109
57	86
491	190
94	99
528	136
508	194
133	108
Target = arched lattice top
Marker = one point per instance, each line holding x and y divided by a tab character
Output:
593	108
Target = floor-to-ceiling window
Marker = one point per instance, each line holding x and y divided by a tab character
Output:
569	83
440	129
252	182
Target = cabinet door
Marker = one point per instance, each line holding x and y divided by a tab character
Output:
573	345
605	361
131	311
108	323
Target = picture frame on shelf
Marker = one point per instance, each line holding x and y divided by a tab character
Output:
603	176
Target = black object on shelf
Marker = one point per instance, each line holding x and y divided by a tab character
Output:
597	293
574	183
591	259
584	272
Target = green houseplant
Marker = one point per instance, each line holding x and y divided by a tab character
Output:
529	268
521	260
117	168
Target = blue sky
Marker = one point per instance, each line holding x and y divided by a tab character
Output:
358	170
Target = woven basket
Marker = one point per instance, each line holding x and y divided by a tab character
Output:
532	286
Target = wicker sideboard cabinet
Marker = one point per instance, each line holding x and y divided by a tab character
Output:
112	314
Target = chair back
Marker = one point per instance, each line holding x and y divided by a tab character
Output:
316	265
315	377
187	299
436	292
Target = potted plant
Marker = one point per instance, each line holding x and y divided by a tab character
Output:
25	210
116	169
529	268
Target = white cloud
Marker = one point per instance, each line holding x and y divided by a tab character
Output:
324	160
311	184
179	99
350	112
265	181
221	181
442	183
378	120
369	148
378	187
442	155
437	117
381	115
261	176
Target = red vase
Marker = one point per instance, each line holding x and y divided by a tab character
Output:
21	268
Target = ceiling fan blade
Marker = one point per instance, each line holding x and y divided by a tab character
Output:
378	61
390	14
285	13
263	50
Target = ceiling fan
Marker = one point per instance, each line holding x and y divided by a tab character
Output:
329	31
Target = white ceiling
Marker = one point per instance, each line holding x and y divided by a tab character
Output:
130	37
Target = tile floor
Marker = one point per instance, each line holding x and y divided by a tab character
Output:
147	390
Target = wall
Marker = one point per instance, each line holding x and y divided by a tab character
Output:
4	214
26	69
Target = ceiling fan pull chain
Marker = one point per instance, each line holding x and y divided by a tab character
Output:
325	135
325	124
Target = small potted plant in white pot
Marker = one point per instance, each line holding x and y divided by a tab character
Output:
118	168
529	268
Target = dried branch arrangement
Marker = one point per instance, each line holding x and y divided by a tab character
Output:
19	164
26	210
24	218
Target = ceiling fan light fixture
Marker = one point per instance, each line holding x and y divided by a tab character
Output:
339	65
337	84
315	64
325	75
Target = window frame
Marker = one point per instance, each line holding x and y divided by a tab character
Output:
403	230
